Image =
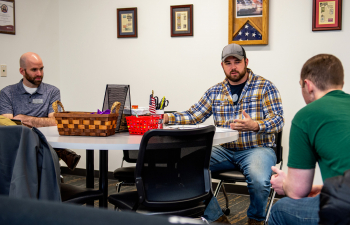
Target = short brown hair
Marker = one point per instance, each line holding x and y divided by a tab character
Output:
324	70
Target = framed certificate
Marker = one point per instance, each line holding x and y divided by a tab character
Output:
326	15
248	22
127	22
7	17
181	20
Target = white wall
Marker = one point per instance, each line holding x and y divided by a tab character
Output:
182	69
36	31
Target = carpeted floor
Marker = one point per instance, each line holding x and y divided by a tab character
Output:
238	203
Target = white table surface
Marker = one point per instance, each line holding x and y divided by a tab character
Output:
118	141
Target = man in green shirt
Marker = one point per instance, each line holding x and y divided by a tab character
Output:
319	133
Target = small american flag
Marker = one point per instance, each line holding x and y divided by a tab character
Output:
152	105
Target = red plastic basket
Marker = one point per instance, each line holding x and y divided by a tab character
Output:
141	124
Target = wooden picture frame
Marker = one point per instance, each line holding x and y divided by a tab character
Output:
127	22
7	17
181	20
326	15
248	22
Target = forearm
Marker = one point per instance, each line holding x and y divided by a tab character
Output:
273	121
271	125
198	113
294	193
36	121
298	183
8	116
186	117
179	118
43	122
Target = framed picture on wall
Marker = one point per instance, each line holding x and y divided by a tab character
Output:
326	15
7	17
248	22
127	22
181	20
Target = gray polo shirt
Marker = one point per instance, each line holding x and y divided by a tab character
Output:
15	100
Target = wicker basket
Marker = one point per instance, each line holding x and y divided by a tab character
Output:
85	123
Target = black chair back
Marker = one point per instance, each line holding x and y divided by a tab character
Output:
172	168
130	156
278	148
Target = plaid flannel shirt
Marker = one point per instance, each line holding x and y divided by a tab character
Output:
260	99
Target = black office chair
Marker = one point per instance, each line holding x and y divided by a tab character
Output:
172	174
27	158
16	211
237	176
334	200
126	175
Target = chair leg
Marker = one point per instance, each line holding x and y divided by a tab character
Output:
118	186
270	206
218	188
226	210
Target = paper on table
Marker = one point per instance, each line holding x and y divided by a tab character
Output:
222	130
184	126
218	129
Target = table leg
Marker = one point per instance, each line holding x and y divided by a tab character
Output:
90	182
90	168
103	186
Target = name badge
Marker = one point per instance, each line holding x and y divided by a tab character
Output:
37	101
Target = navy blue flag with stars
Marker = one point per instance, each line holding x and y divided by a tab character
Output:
248	33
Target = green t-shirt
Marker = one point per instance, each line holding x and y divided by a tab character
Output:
320	132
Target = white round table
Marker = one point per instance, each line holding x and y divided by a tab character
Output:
118	141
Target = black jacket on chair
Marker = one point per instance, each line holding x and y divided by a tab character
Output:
335	200
29	166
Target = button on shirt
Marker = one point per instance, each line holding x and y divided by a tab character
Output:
15	100
260	99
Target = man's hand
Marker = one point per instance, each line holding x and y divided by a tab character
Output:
166	119
315	190
247	124
277	180
24	119
31	121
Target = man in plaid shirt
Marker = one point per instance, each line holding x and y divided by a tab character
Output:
252	105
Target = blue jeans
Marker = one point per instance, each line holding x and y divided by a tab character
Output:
295	211
255	164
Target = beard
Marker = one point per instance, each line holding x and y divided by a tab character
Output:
240	75
32	79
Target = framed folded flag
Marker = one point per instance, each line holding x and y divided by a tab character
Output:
248	22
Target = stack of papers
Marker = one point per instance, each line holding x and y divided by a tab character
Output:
140	111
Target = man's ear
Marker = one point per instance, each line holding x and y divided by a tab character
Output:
246	61
310	86
21	70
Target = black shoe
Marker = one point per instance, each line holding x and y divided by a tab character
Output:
69	157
